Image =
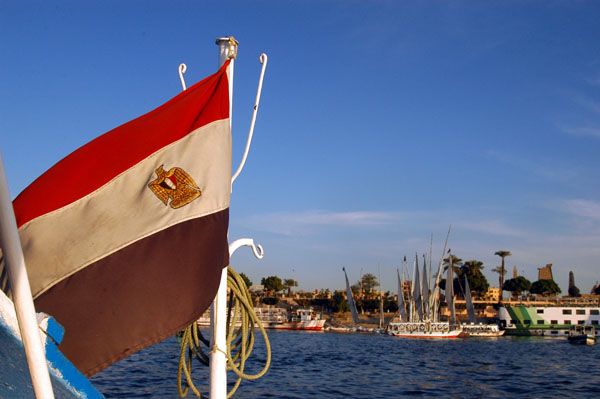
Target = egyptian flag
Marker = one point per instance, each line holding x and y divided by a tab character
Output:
125	238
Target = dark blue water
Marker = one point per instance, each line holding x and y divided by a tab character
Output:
330	365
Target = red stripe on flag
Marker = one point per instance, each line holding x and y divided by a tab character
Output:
99	161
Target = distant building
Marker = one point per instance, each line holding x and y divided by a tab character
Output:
492	294
571	280
545	273
514	272
305	294
257	288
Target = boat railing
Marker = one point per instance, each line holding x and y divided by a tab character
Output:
581	329
419	327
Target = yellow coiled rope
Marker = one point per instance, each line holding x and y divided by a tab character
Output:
240	340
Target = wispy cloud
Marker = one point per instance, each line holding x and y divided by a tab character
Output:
495	227
397	223
579	207
587	107
288	223
554	172
582	131
588	103
359	218
595	81
365	238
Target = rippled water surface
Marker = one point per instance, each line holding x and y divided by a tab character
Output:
329	365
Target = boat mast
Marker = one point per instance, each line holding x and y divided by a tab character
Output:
434	299
411	297
425	290
469	302
450	290
381	320
401	304
417	292
19	285
430	262
351	303
218	312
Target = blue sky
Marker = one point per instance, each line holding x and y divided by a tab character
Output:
381	123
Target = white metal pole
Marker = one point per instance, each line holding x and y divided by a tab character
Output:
19	285
218	310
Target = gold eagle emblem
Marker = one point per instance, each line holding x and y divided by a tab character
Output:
175	185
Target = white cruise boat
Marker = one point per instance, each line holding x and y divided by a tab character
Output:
547	320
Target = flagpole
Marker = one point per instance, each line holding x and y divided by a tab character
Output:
218	311
19	286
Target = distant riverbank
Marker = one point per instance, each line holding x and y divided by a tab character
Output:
345	320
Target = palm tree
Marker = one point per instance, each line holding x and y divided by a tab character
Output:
454	261
498	269
368	283
289	283
456	264
502	254
469	269
472	267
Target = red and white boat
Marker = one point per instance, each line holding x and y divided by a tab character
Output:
301	319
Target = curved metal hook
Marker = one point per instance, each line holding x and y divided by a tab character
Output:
182	69
247	242
263	60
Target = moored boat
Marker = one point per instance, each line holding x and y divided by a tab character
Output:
582	335
266	316
547	320
482	330
280	319
344	330
301	319
424	330
422	319
473	328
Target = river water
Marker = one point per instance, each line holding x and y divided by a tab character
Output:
330	365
